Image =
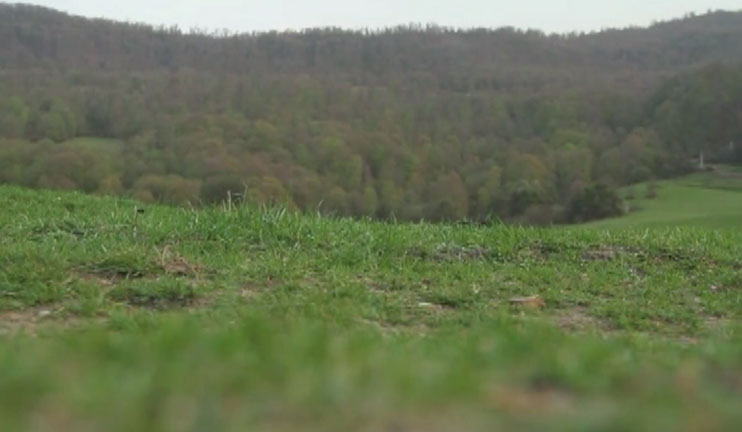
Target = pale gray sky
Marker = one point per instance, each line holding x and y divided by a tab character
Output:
248	15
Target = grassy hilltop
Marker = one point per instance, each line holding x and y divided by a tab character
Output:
242	319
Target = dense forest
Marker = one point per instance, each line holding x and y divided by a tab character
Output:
409	123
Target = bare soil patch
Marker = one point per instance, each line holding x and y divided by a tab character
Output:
177	265
448	253
578	319
536	401
30	320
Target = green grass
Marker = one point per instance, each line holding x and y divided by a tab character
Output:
708	199
244	319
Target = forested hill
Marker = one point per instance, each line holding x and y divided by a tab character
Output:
39	38
411	122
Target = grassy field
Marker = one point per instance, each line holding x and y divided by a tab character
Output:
707	199
121	318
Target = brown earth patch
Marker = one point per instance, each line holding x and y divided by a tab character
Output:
531	302
578	319
716	323
606	253
177	265
167	263
251	290
31	320
537	252
387	328
600	254
534	401
157	297
434	307
96	278
448	253
377	287
109	276
13	322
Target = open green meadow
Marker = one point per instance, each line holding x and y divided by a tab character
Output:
705	199
119	317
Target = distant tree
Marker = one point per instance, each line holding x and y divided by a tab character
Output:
390	199
170	189
269	190
368	203
54	121
71	167
335	202
490	194
110	185
220	188
522	196
14	116
597	201
448	199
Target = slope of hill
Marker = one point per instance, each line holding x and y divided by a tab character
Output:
709	199
119	317
407	123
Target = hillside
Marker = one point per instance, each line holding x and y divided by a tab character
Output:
119	317
708	199
412	123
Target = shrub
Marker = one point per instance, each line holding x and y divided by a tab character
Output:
597	201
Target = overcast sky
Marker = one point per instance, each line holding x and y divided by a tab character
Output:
249	15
